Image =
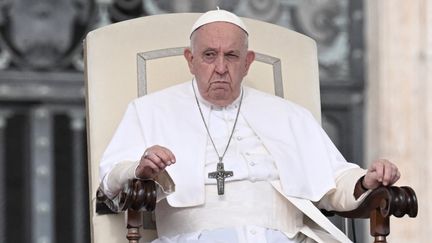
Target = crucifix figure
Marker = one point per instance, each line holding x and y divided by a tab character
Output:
220	174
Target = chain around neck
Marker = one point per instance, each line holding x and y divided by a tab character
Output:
208	130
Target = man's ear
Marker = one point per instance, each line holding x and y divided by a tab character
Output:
250	57
187	53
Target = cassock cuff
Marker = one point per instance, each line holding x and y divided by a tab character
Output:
117	177
350	179
342	198
165	184
122	172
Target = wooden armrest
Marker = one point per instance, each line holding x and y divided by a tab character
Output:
137	195
379	205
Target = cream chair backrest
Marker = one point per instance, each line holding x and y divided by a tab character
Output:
130	58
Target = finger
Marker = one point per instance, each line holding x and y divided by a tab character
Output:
153	166
164	156
370	180
171	156
395	177
167	156
151	155
388	174
155	159
378	168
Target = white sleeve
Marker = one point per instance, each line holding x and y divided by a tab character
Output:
122	154
117	177
342	198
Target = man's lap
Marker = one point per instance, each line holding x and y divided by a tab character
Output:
242	234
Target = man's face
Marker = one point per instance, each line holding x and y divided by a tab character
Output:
219	59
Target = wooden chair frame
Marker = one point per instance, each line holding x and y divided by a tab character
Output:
378	206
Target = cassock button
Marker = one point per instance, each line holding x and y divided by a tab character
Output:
239	138
252	163
253	232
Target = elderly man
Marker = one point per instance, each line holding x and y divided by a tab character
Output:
245	164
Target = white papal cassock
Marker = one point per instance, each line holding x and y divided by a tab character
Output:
294	155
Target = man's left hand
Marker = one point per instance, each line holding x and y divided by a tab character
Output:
381	172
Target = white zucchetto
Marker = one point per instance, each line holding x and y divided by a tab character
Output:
218	16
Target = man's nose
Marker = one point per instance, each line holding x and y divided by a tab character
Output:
221	65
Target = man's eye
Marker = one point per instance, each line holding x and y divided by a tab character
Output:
209	54
231	56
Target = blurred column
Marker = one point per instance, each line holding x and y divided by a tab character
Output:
3	120
79	187
41	176
399	103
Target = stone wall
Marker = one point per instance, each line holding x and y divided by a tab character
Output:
399	101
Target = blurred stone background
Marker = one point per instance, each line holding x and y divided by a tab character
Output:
376	89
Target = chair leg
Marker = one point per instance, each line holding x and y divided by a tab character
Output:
379	226
380	239
134	223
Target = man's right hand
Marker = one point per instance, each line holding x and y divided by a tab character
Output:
154	160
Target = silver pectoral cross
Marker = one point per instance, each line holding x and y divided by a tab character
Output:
220	174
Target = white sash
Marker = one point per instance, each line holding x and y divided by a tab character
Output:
314	214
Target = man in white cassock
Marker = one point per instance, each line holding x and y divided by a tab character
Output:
246	165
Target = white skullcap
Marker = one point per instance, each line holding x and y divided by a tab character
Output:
218	16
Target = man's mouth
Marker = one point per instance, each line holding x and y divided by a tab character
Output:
217	85
219	82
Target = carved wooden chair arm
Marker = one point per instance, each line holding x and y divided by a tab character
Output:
136	196
379	205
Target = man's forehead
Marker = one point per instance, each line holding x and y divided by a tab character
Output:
220	35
